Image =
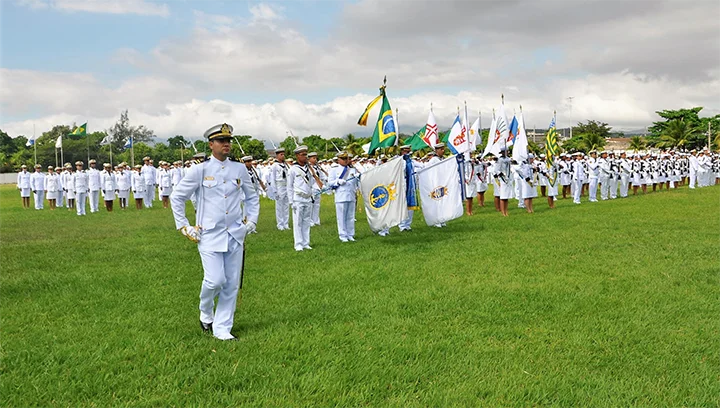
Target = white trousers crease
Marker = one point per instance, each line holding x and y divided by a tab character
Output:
282	211
345	213
302	214
80	198
94	197
221	279
39	199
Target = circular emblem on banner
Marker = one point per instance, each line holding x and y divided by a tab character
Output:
438	193
379	197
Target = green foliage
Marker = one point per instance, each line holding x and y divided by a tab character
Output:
637	143
694	128
610	304
593	127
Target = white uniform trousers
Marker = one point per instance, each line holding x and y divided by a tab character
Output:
624	183
59	200
613	187
282	212
302	219
315	217
693	179
407	222
149	195
222	272
576	190
345	213
604	188
80	197
94	198
592	189
39	199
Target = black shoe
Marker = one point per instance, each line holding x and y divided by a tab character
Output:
206	327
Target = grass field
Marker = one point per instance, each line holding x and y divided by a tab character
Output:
610	304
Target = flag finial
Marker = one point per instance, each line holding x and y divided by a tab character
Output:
520	108
502	98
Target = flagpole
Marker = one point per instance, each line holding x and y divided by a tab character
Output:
132	152
397	125
111	163
34	144
87	141
56	164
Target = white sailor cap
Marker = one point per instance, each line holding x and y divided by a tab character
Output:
578	154
531	156
279	150
23	167
246	158
593	152
222	131
439	145
300	149
604	152
312	154
403	147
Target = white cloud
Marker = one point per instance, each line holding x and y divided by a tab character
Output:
266	12
168	109
140	7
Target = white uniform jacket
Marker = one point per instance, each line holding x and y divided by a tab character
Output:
346	192
223	189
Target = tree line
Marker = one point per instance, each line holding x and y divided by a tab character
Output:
680	129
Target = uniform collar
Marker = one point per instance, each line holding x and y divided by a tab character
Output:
215	159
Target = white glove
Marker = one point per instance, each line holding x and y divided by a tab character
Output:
250	226
191	233
341	182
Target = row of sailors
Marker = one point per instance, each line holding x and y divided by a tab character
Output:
577	173
68	186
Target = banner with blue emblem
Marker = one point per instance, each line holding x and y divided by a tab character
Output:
383	190
441	190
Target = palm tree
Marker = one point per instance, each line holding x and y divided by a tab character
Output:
637	143
676	134
591	141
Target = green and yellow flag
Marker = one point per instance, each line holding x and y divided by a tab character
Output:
551	146
385	131
80	130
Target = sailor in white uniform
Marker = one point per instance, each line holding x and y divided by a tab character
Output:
94	183
277	190
224	193
109	186
37	183
23	184
300	196
81	185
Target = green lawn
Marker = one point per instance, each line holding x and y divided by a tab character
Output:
611	304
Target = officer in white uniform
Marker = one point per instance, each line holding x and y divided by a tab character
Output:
277	184
81	185
300	196
37	183
137	183
109	186
95	187
23	184
52	186
123	178
150	176
577	177
224	193
343	180
604	175
594	176
502	174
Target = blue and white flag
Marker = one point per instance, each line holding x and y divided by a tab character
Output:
30	142
457	139
441	191
128	143
383	190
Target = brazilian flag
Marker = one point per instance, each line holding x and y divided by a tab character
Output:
80	130
385	132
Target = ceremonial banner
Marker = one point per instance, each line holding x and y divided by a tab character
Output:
431	131
551	147
441	191
80	130
417	140
457	138
58	143
520	151
383	190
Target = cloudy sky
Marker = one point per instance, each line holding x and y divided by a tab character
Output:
311	67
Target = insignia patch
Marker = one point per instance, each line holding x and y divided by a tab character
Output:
381	195
438	193
209	178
